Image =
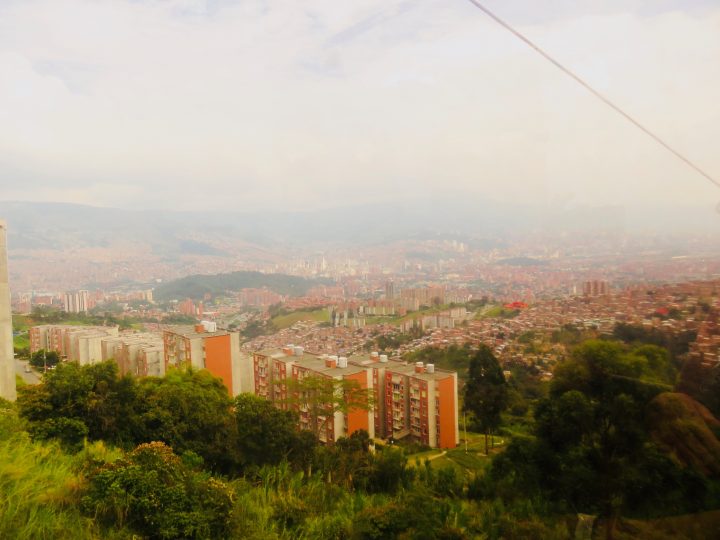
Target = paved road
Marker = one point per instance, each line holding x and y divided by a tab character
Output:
30	378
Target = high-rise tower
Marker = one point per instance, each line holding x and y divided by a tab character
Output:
7	359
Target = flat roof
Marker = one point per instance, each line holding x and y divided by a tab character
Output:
189	331
311	361
356	364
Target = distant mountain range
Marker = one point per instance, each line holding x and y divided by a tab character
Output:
58	225
55	245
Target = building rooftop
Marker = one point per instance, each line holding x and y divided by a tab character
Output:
313	362
192	331
355	364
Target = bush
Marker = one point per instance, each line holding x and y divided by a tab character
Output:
154	493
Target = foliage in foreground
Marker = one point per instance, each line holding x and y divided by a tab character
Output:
223	468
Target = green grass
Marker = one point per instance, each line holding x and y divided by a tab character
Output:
473	460
286	321
381	319
41	486
21	322
496	311
421	313
21	341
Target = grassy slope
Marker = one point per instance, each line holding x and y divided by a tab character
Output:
287	320
39	488
197	286
495	311
687	429
468	463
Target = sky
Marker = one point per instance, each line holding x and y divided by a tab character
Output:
314	104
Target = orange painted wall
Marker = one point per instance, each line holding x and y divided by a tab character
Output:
358	418
218	360
448	413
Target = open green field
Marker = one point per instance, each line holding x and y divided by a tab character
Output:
21	341
287	320
495	311
470	461
429	311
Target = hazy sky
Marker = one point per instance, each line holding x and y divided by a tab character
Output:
255	104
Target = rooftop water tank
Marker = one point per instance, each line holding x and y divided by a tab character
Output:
209	326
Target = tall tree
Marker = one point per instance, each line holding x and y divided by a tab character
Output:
486	391
190	410
592	451
317	399
266	434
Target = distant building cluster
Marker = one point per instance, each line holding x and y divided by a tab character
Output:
259	297
448	318
189	308
595	288
77	302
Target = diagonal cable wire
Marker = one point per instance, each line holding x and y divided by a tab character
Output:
592	90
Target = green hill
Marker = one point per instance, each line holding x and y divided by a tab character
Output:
686	429
197	286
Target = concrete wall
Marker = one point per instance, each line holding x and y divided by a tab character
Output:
7	355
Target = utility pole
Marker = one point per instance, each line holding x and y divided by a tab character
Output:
465	425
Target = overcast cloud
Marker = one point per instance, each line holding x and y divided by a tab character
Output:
254	104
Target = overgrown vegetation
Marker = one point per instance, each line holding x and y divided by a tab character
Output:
88	454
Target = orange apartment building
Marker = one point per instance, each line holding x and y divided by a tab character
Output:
272	368
203	346
414	400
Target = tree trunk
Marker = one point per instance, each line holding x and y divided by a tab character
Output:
486	443
610	523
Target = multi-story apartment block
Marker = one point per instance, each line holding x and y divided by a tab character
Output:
138	354
275	371
416	400
203	346
421	401
149	354
82	344
595	288
77	301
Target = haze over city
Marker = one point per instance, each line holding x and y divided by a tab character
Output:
402	269
208	105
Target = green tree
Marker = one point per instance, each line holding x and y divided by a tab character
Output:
486	391
74	401
592	451
190	411
42	358
153	492
267	435
319	398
